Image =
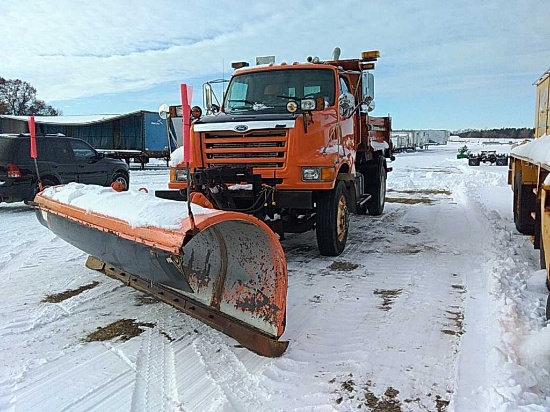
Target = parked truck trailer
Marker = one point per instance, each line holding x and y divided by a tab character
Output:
528	175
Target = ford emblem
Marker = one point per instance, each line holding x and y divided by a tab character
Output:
241	128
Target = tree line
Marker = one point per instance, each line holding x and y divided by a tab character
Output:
504	133
18	98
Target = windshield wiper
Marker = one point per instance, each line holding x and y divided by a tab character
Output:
289	97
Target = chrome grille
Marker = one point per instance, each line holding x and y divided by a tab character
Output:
258	148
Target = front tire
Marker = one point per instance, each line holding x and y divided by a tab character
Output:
332	220
123	179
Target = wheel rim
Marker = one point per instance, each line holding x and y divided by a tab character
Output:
342	220
122	181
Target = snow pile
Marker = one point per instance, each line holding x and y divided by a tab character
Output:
537	150
176	157
436	305
518	362
137	208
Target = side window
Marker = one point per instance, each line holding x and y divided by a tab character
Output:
343	86
58	151
23	154
81	150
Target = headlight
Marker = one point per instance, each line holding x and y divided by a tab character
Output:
308	104
311	173
320	174
292	106
181	175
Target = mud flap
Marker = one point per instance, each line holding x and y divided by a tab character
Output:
231	273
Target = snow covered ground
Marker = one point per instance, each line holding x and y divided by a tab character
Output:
436	305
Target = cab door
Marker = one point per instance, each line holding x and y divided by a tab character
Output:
346	104
89	167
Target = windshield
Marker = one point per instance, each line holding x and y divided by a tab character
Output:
270	91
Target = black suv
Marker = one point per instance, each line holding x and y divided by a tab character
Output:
60	160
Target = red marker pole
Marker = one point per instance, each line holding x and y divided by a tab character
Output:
32	131
34	152
186	95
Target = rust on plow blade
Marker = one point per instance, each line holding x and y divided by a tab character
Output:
255	340
229	272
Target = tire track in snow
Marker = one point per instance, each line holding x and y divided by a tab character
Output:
239	389
155	386
343	312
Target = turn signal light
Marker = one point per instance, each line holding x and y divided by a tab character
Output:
239	65
370	55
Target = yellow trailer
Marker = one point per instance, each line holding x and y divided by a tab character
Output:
529	178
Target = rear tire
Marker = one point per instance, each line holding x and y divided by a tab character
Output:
542	257
502	161
525	202
474	161
332	220
377	188
46	182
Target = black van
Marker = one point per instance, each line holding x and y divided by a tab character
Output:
60	160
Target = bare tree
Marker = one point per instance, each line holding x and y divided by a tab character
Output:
18	98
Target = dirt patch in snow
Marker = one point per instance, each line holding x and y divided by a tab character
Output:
423	191
60	297
409	230
124	328
423	196
388	296
363	395
409	201
343	266
457	317
146	300
414	249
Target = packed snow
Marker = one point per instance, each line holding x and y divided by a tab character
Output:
137	207
537	150
436	305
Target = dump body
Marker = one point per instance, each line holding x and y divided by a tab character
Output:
528	176
288	139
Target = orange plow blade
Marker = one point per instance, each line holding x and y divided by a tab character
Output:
224	268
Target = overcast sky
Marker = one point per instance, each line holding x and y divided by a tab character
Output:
444	64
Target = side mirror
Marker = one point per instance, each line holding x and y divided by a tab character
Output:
345	104
207	94
164	111
343	101
367	87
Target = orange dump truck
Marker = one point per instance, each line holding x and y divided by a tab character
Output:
528	175
294	145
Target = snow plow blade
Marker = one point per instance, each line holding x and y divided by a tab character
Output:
226	269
